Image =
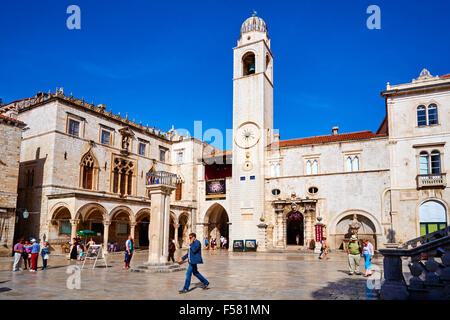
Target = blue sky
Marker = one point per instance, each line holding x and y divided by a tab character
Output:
170	62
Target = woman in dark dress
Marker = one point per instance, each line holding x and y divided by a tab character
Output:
74	250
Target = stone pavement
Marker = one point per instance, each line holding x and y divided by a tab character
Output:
243	276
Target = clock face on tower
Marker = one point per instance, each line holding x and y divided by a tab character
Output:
247	135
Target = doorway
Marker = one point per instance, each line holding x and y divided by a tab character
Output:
295	229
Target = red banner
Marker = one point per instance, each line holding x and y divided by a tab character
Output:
319	232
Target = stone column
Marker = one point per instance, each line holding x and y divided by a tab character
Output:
308	229
132	228
105	236
159	226
280	228
175	236
74	224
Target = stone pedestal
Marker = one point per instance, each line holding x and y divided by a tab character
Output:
159	223
262	236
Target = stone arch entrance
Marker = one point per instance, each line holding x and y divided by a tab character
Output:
183	230
366	229
141	230
60	228
295	229
216	224
120	228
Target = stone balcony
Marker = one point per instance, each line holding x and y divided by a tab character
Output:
437	180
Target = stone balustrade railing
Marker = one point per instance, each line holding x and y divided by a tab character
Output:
426	238
429	277
431	180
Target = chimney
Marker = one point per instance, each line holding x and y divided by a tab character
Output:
335	131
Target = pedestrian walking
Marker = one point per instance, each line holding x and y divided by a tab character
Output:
45	254
354	252
221	242
368	253
297	239
172	250
26	255
18	253
35	249
225	241
324	249
194	257
129	248
206	243
74	249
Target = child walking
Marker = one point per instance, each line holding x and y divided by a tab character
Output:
45	251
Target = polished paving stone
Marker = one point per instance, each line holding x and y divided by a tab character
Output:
243	276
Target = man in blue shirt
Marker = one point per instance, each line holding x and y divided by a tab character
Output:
194	257
35	249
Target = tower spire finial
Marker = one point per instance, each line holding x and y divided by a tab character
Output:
254	13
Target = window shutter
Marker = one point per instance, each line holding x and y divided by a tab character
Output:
178	192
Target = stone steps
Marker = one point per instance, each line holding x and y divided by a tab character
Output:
162	268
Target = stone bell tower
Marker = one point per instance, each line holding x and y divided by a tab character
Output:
252	129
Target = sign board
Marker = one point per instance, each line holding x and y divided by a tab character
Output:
250	245
238	245
215	189
93	253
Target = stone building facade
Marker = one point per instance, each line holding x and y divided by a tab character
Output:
83	167
10	131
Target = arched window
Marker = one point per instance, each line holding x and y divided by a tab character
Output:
88	171
308	167
433	217
435	162
421	116
349	164
355	164
315	167
248	63
424	165
432	114
277	170
272	170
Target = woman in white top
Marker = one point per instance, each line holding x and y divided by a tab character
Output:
367	252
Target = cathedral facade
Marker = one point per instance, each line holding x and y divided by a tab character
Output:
84	168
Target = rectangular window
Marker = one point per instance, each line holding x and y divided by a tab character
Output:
142	149
162	155
180	157
252	177
74	127
242	178
122	228
65	227
106	137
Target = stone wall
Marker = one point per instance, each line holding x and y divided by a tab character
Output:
10	139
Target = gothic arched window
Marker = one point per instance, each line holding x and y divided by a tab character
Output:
315	167
122	176
308	167
349	164
88	171
355	166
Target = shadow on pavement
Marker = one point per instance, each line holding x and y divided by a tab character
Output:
352	288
